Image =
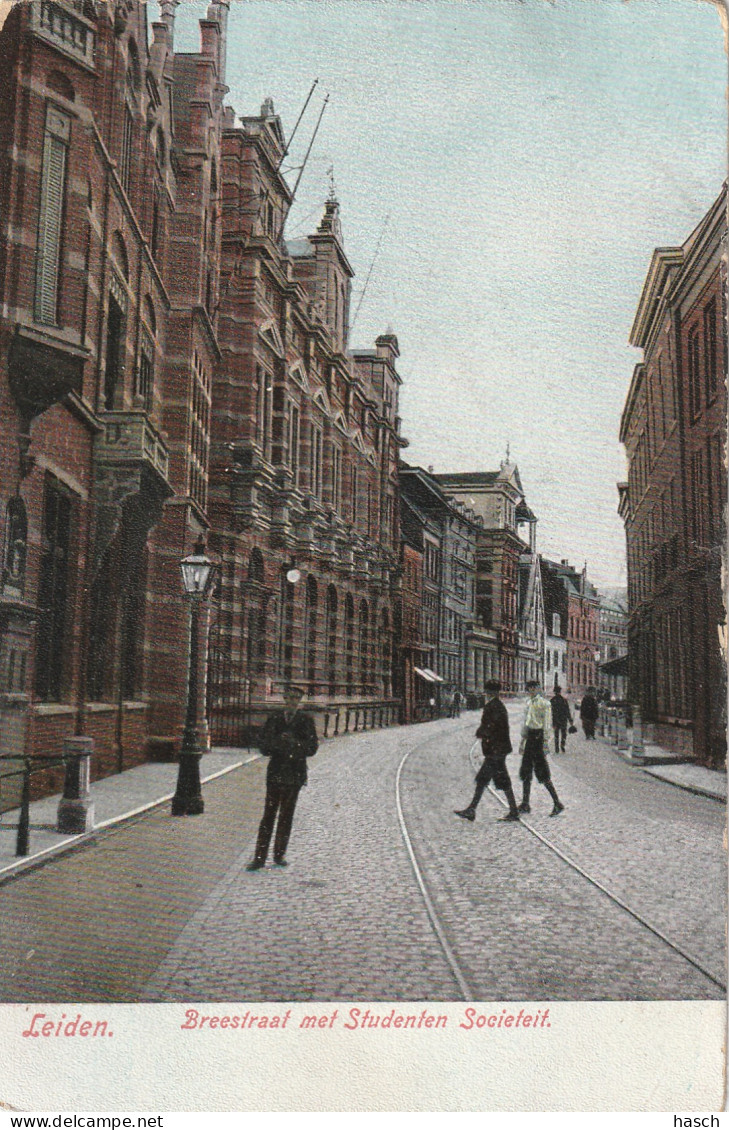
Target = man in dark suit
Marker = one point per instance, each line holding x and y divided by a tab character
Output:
589	712
495	745
288	738
561	719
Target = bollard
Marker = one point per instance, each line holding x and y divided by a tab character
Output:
76	808
622	732
637	747
23	837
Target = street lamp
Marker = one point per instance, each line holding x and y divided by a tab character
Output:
197	576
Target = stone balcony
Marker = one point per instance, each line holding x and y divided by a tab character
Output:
128	439
66	24
132	476
131	460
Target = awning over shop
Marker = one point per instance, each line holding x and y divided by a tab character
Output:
427	674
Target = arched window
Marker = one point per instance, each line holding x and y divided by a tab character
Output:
144	386
349	643
385	654
255	566
332	639
257	614
364	642
16	545
160	147
119	254
134	74
286	626
309	660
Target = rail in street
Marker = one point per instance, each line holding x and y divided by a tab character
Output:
388	895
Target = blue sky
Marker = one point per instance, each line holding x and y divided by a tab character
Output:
523	160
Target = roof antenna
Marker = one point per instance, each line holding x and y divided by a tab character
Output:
296	126
311	143
369	273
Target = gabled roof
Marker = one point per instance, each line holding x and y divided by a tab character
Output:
269	332
320	397
298	373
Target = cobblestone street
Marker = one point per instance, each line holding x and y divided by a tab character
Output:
170	913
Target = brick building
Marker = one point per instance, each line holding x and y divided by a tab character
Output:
304	449
169	368
576	612
449	531
100	344
673	429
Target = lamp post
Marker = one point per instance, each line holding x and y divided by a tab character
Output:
197	576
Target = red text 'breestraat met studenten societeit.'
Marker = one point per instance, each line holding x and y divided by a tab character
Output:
353	1019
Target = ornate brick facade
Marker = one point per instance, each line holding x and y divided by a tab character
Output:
170	368
304	500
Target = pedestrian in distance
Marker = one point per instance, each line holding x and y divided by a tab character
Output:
589	711
495	746
535	741
456	705
561	719
288	739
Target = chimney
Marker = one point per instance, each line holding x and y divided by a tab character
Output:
218	13
167	17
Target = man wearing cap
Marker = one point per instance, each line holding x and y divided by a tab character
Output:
561	719
495	745
534	747
288	738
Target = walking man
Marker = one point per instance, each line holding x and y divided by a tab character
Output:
561	719
534	748
288	738
495	745
589	712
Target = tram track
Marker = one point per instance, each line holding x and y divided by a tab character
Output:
465	989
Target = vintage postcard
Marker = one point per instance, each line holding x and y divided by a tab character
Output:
362	517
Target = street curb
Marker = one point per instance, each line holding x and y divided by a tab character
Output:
30	862
697	790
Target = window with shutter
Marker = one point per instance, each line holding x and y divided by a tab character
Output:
53	181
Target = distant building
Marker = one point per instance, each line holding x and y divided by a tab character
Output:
579	618
673	505
415	635
507	638
450	535
555	627
613	665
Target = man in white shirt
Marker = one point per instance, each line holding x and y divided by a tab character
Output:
535	745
